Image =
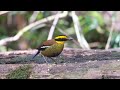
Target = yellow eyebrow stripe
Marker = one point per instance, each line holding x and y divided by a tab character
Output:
61	37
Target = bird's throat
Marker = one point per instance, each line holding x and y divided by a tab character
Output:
60	42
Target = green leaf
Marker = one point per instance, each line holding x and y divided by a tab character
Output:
98	16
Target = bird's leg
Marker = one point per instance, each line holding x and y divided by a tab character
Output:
44	58
53	60
61	59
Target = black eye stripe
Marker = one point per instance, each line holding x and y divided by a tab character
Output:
61	39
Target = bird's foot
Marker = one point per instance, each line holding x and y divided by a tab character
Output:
61	60
55	62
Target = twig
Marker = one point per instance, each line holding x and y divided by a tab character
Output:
30	26
3	12
9	18
34	16
53	26
38	26
60	30
110	36
83	43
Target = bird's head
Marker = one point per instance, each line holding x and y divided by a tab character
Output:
62	38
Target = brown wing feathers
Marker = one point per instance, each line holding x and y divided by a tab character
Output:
46	44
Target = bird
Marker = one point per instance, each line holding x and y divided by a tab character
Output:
52	48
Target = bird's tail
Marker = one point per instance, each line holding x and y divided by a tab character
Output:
36	54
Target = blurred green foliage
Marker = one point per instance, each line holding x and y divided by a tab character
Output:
92	23
115	42
23	72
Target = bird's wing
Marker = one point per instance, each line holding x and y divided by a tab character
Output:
46	44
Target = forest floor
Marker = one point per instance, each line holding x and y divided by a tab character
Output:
71	64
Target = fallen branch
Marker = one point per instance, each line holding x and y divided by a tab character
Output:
30	26
110	34
34	16
3	12
53	26
77	63
60	30
82	41
69	55
110	37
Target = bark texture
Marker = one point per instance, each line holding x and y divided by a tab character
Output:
72	64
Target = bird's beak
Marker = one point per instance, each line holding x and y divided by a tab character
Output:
70	38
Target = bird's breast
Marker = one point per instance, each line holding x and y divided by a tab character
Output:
53	50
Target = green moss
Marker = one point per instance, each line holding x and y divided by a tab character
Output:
23	72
